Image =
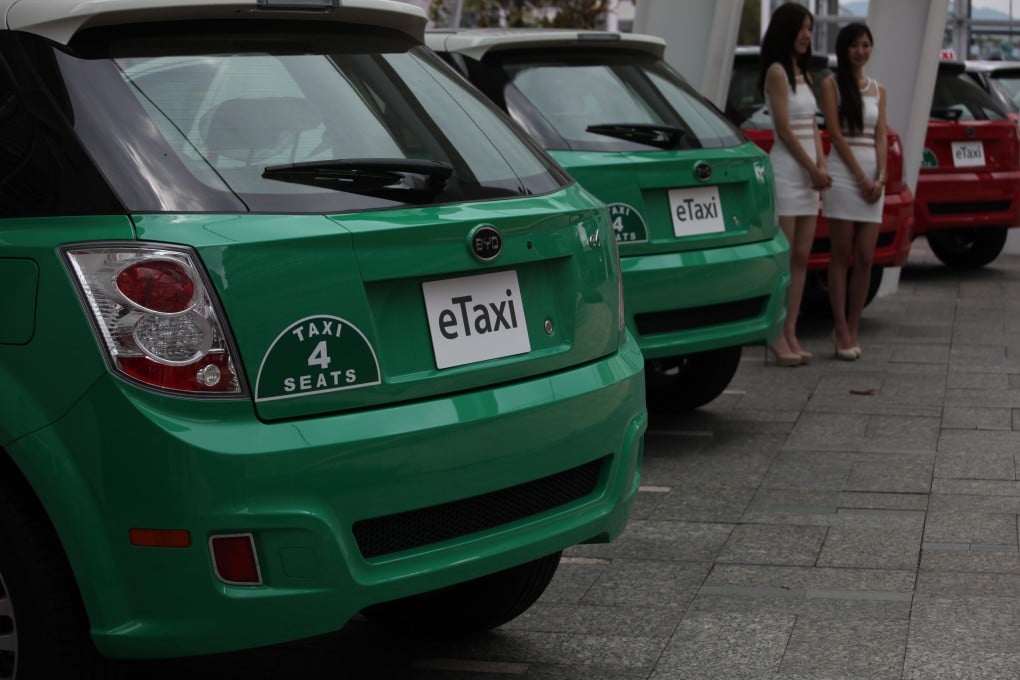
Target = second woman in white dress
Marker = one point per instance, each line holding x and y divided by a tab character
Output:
854	109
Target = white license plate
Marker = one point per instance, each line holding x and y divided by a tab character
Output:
474	318
968	154
696	210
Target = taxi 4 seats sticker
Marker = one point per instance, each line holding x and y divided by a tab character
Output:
315	355
628	224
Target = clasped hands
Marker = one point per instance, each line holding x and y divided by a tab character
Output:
871	189
820	179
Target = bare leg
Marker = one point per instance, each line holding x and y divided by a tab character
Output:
800	232
865	238
841	235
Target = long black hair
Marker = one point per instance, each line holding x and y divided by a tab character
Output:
851	109
779	39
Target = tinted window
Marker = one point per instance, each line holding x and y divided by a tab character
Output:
568	91
1008	86
957	97
745	101
43	170
204	111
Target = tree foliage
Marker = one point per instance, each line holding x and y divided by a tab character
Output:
524	13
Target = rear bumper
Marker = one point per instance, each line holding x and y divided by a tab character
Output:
946	201
124	458
686	302
894	237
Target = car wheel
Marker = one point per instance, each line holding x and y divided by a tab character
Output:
687	382
967	247
44	632
470	607
816	292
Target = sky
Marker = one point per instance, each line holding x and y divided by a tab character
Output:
1001	5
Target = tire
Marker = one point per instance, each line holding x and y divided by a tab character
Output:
816	303
687	382
967	247
44	632
471	607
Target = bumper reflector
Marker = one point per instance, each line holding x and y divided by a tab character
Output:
160	538
234	559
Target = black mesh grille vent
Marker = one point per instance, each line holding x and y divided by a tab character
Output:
968	207
406	530
699	317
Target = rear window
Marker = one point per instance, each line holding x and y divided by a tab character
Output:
561	95
745	101
957	97
285	118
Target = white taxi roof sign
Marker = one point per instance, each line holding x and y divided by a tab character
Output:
60	20
476	43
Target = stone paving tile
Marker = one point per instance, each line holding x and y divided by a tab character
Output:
725	645
971	636
978	397
817	581
975	487
957	381
970	528
801	474
695	503
966	418
979	441
866	547
974	504
648	583
650	622
958	584
771	545
864	650
663	540
867	432
975	466
964	559
900	475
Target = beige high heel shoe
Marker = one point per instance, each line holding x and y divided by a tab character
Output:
843	354
782	358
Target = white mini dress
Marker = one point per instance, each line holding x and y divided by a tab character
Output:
794	194
843	200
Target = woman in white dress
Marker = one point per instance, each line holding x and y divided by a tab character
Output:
854	108
798	163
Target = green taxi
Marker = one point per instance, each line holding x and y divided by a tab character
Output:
705	265
297	325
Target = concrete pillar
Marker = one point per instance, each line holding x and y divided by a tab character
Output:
908	43
700	36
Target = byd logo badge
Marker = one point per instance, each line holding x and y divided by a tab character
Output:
485	242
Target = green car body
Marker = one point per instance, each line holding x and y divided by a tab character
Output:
706	267
331	425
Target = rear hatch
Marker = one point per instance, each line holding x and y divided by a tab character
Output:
967	131
675	173
374	231
353	311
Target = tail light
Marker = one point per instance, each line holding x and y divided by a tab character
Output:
155	317
894	165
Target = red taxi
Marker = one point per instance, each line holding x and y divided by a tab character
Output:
968	189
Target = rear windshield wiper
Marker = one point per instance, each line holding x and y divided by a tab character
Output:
946	114
409	180
662	136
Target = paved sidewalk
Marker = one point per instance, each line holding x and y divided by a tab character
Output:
833	521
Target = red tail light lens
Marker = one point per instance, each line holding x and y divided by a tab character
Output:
160	285
156	318
894	165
